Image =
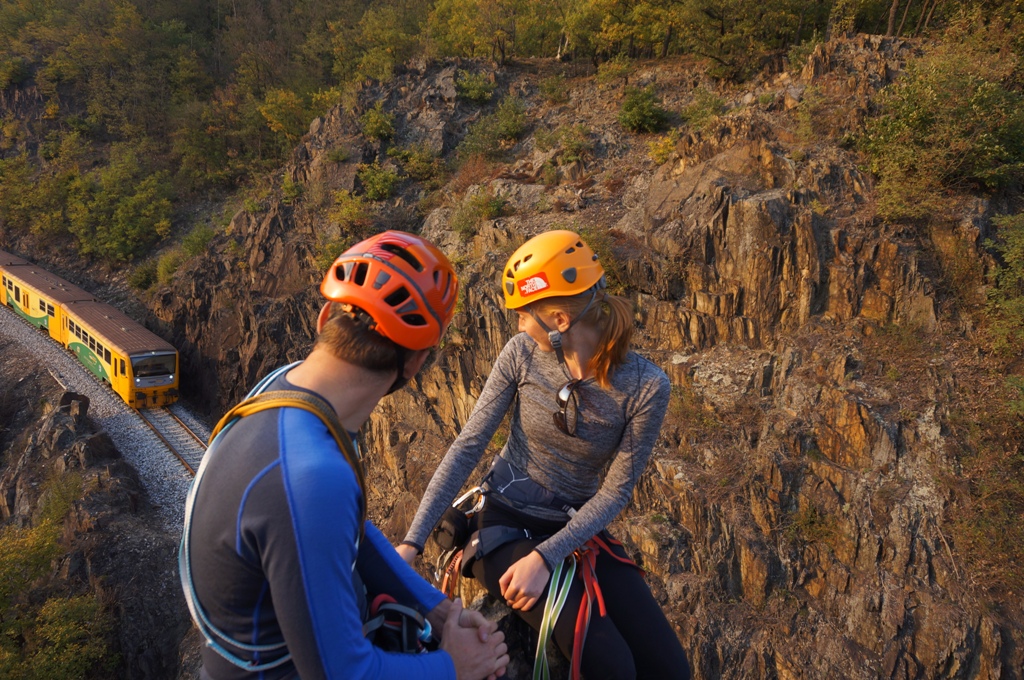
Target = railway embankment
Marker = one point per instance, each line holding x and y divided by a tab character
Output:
163	478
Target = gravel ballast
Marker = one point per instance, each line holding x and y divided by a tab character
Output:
164	478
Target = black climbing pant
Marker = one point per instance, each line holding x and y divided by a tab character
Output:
635	640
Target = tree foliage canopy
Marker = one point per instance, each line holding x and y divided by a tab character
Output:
217	92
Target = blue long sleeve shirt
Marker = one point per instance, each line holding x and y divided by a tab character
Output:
275	555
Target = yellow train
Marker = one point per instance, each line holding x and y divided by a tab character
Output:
137	364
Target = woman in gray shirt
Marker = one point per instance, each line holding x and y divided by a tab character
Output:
583	404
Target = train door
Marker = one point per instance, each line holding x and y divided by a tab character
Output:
122	368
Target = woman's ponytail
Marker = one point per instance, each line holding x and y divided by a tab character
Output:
614	316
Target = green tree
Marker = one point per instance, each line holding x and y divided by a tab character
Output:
641	110
952	121
377	123
385	36
122	209
378	181
285	113
1006	297
493	135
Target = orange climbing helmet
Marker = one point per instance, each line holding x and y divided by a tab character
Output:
402	281
551	264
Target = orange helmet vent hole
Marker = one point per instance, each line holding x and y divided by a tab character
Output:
398	297
404	254
359	276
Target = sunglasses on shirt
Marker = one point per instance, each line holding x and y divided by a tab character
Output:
568	413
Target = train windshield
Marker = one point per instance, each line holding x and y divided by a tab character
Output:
153	365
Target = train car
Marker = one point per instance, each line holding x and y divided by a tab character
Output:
37	295
137	364
7	259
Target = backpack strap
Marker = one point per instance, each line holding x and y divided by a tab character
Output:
318	407
256	402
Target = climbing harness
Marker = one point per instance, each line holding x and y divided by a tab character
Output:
452	535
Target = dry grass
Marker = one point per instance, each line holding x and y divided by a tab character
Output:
988	441
476	170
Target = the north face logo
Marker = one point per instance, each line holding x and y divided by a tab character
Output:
534	284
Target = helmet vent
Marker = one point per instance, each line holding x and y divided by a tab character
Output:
570	251
447	286
510	288
527	258
510	274
382	278
414	319
579	244
569	275
359	275
398	297
404	254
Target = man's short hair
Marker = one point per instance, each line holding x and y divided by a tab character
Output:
348	335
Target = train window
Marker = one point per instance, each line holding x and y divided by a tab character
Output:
99	350
42	305
49	310
92	344
5	281
17	294
106	355
154	365
123	372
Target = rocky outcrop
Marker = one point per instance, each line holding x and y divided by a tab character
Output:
793	521
110	548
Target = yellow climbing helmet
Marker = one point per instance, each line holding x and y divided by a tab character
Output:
551	264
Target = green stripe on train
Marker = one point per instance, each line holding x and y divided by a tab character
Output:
89	360
41	321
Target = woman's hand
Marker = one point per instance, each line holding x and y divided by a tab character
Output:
524	582
407	552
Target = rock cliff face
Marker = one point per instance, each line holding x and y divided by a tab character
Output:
110	548
794	520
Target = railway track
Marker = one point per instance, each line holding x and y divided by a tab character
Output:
180	440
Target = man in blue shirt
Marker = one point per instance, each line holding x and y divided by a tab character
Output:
277	560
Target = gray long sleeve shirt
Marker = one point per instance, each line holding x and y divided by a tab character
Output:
617	425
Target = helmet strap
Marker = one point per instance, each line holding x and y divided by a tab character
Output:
400	379
555	336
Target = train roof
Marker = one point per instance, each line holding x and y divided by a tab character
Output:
6	259
118	328
49	284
